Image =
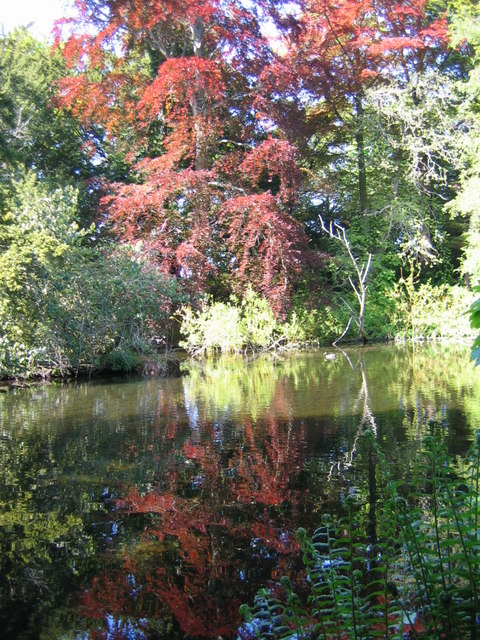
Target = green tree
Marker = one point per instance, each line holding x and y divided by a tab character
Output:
475	323
34	134
68	300
66	305
466	35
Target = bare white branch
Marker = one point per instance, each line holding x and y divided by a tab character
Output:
337	232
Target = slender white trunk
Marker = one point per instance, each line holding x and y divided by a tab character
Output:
337	232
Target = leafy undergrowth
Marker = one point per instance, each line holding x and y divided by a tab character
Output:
475	324
416	576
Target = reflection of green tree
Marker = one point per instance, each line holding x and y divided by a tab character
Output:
41	534
64	452
232	385
420	378
406	389
429	380
295	384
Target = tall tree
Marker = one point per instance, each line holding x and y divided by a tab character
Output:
332	53
172	84
34	135
466	34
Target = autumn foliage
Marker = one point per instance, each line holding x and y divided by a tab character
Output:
204	111
331	54
334	51
172	85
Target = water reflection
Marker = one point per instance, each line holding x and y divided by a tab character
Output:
153	508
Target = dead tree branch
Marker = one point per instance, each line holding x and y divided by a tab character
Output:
359	286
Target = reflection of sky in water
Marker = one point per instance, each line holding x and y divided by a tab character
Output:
191	408
125	629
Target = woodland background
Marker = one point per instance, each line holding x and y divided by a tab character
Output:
169	172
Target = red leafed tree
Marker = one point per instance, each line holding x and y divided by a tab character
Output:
334	50
172	85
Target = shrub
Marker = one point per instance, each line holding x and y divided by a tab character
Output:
65	305
425	311
319	324
249	324
475	324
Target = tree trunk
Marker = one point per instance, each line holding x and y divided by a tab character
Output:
360	142
199	102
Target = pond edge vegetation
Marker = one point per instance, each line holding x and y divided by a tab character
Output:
114	333
404	567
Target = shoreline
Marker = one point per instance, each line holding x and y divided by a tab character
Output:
170	364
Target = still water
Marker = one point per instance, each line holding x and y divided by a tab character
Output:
152	508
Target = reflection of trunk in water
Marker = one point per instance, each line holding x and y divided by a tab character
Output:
367	423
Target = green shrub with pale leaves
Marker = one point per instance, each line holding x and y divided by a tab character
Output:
475	324
238	326
425	311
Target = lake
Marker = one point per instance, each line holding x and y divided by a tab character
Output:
152	508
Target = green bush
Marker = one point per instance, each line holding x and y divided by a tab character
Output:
65	305
422	311
238	326
321	324
475	324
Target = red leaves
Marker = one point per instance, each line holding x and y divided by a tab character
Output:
192	550
135	502
343	47
177	216
183	207
267	245
175	90
436	32
172	84
169	215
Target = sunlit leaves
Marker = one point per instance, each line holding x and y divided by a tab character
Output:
33	133
178	79
475	324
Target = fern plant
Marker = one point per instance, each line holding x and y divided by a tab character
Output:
438	526
419	579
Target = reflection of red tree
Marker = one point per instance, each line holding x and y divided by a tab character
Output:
283	542
204	534
109	592
183	580
197	610
264	476
199	613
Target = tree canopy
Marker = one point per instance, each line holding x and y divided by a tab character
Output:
211	187
214	142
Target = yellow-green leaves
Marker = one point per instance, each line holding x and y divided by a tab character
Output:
475	324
